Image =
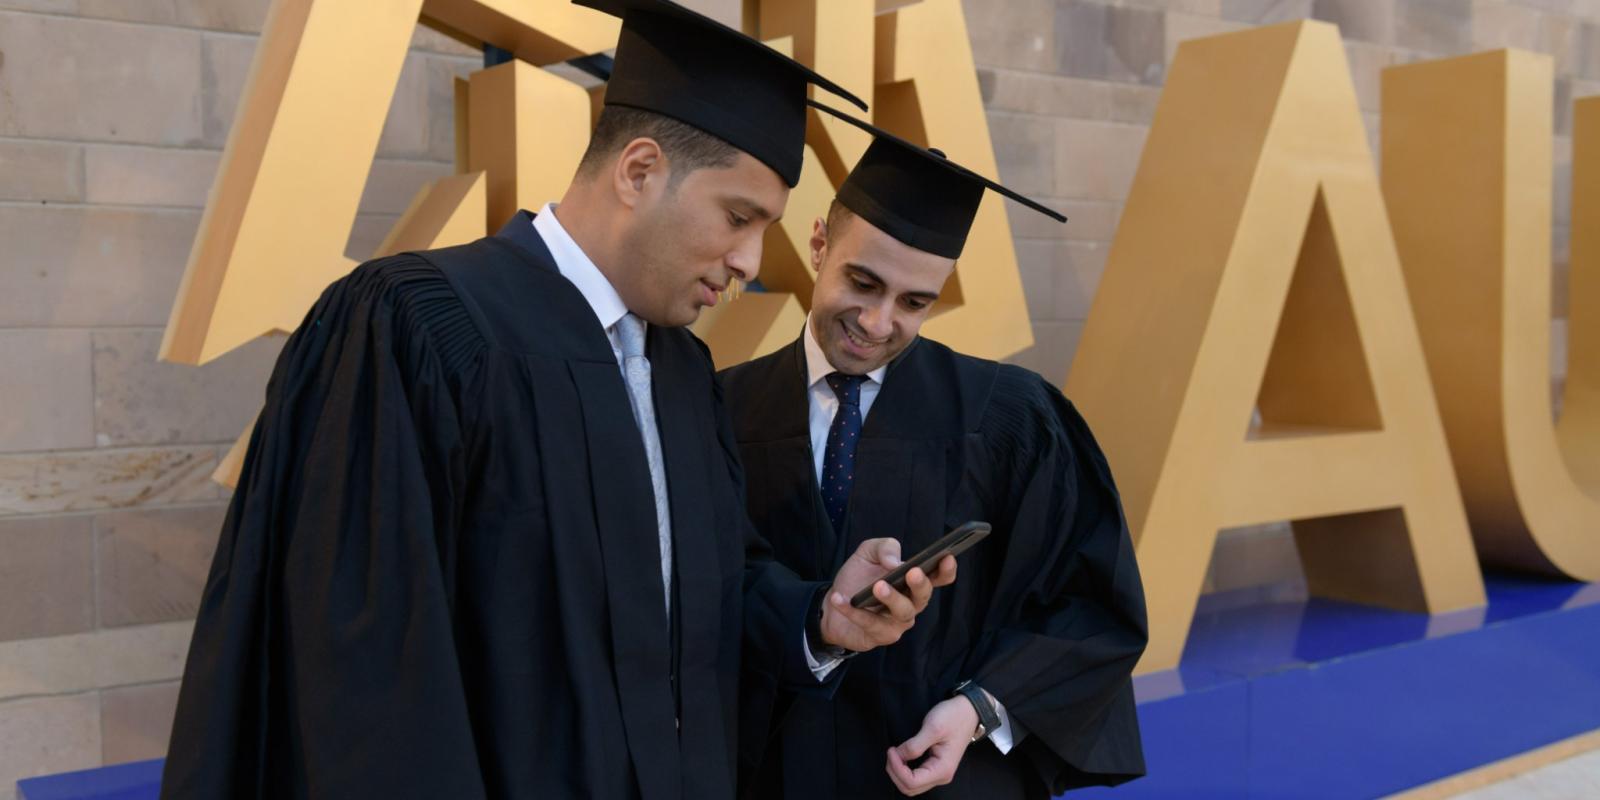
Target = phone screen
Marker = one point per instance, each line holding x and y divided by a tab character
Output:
953	543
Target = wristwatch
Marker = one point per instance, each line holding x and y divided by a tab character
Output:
988	718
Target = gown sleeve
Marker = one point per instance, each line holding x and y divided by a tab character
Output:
323	662
1068	623
776	600
773	665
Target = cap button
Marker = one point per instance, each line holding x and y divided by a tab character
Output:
936	151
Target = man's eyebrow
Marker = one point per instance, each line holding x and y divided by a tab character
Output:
754	209
864	270
874	277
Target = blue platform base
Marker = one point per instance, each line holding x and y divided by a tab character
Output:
140	780
1318	699
1288	698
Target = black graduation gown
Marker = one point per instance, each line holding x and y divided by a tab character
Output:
439	576
1047	613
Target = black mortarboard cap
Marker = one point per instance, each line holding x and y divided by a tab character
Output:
916	194
684	65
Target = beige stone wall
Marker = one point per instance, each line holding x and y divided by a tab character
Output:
112	117
113	114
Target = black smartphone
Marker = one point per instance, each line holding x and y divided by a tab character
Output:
953	543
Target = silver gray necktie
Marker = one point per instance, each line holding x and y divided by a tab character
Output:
636	371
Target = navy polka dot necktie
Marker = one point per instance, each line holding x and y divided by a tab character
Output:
839	458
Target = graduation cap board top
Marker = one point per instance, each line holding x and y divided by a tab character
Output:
679	63
917	194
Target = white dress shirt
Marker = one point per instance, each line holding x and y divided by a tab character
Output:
576	267
824	405
581	272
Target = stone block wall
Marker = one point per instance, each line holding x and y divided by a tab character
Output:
113	115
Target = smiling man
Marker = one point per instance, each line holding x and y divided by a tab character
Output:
489	539
1016	682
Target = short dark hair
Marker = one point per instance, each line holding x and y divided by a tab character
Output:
687	147
838	217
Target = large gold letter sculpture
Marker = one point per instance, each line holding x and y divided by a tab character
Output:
317	97
527	128
308	127
1466	172
1256	211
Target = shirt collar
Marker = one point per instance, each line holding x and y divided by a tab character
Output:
817	366
576	267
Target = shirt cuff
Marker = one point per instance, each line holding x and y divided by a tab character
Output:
1004	737
819	667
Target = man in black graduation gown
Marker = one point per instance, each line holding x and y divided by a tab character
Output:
490	538
1015	682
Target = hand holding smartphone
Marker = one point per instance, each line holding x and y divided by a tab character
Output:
953	543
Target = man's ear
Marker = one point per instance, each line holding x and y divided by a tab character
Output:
638	162
819	242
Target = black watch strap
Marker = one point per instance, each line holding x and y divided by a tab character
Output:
988	717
